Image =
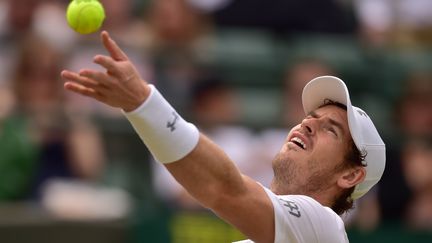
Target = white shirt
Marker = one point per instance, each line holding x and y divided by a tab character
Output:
301	219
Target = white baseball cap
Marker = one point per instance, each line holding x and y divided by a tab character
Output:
362	129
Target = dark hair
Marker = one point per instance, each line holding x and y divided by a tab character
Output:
354	157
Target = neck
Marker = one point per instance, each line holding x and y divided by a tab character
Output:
324	198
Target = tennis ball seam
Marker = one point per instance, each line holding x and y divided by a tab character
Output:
80	12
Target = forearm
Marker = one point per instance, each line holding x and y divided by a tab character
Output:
198	164
207	173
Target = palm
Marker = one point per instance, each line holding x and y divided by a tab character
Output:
120	86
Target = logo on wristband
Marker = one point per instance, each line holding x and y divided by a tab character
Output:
171	125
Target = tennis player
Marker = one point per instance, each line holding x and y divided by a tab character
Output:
334	156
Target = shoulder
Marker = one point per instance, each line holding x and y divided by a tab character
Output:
300	218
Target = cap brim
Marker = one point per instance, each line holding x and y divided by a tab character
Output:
323	88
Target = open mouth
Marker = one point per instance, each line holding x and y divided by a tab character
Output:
297	141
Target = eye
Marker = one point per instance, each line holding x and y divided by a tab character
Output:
332	130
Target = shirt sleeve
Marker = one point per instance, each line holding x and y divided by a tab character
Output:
301	219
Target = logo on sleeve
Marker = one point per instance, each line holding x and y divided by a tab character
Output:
171	124
292	207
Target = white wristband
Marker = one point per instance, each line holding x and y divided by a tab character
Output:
165	133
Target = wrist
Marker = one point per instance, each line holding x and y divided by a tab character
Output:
140	99
165	133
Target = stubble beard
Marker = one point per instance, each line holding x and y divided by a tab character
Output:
290	180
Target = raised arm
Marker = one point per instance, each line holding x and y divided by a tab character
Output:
205	171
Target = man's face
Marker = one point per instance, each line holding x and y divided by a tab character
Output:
311	158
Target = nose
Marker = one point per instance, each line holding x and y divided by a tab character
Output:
309	125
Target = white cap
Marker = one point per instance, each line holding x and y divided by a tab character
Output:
362	129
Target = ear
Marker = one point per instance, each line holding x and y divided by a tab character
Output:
352	177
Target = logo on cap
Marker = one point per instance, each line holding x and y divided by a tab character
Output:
362	113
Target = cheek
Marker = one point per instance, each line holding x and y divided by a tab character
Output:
291	131
329	152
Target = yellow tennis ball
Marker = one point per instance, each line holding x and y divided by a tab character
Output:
85	16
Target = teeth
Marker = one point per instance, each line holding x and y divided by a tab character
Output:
298	140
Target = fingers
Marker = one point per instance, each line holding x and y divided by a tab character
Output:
67	75
87	79
81	85
80	89
108	63
111	46
92	78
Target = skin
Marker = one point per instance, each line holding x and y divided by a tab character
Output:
210	176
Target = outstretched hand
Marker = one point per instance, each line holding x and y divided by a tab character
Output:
120	86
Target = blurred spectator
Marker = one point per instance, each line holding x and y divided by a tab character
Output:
414	113
44	17
403	22
18	152
214	103
413	118
69	146
19	16
49	22
16	19
175	24
417	168
124	25
177	32
375	20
